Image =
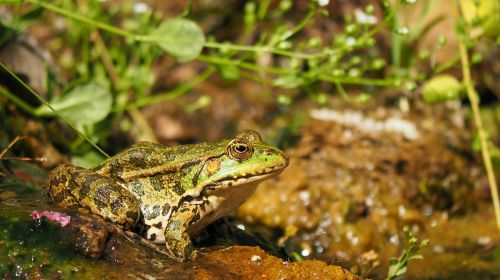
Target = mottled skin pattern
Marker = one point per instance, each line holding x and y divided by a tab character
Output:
173	191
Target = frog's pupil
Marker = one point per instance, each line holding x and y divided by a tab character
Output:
241	148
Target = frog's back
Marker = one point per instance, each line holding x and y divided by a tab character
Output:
144	156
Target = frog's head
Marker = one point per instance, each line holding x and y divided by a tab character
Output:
245	159
230	176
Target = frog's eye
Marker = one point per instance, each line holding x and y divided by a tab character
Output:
239	149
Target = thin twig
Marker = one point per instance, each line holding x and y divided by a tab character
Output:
12	143
37	159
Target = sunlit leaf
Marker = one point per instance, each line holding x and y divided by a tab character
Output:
182	38
82	105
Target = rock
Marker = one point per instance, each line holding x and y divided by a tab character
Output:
242	262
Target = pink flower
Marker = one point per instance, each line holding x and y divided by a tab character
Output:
53	216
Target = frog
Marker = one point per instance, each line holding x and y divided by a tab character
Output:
171	192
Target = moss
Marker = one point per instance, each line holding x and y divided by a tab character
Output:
30	247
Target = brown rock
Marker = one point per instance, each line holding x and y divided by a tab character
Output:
242	262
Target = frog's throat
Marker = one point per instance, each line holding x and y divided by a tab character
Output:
219	198
204	189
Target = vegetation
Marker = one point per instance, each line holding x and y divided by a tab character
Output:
399	266
109	53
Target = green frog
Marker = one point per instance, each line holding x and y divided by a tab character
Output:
172	192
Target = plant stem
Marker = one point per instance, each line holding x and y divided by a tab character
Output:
361	81
396	39
472	95
267	49
447	65
178	91
245	65
84	19
300	25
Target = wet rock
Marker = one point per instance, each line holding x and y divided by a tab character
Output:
91	235
241	262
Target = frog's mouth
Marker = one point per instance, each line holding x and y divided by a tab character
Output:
256	177
223	196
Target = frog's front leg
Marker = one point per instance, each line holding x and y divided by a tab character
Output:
71	186
177	240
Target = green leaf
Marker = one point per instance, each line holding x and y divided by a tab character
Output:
82	105
401	271
180	37
441	88
392	271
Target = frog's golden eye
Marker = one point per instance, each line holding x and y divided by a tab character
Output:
239	149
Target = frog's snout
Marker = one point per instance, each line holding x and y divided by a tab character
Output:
286	159
282	159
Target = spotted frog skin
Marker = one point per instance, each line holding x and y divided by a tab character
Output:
172	192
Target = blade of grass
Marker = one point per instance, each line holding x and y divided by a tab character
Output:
16	100
52	109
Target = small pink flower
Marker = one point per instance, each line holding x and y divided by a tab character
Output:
53	216
35	215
